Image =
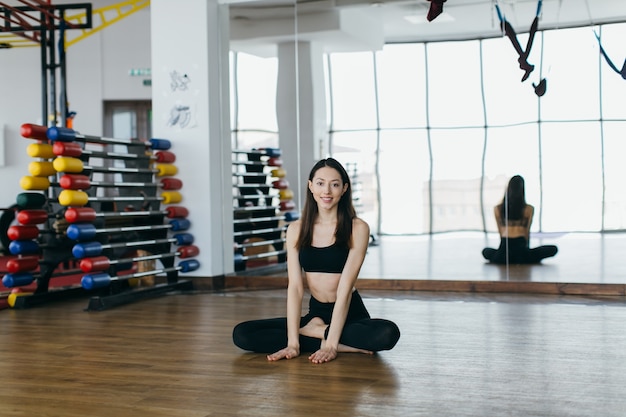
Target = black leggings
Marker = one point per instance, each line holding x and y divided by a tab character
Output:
518	252
360	331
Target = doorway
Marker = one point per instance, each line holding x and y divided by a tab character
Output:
128	119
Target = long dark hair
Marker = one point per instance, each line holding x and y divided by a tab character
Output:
345	208
514	201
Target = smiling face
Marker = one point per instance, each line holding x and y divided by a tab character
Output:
327	187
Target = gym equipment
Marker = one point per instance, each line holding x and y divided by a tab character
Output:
240	259
278	173
435	9
248	197
288	217
73	165
87	231
286	205
80	198
35	183
22	264
40	150
282	206
258	210
280	184
65	134
523	54
272	162
86	214
21	279
12	298
23	232
41	169
271	152
31	131
260	231
257	243
622	71
285	194
31	200
260	175
51	232
89	249
30	217
82	182
17	280
94	281
24	247
72	149
102	263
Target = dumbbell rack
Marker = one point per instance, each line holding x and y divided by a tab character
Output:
115	231
262	209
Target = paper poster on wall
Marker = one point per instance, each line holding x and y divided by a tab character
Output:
182	111
181	116
179	82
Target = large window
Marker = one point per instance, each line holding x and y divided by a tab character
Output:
433	132
445	125
253	101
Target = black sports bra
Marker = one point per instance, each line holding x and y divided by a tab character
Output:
330	259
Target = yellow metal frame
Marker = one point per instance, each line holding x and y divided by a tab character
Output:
102	18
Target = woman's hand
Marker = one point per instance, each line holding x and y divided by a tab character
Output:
324	354
286	353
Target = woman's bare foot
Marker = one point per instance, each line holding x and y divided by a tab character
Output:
348	349
314	328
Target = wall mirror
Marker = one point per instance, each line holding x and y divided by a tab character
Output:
434	118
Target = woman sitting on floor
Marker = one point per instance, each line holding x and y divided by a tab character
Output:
514	218
329	243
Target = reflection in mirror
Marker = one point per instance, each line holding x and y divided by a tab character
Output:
514	217
432	148
266	115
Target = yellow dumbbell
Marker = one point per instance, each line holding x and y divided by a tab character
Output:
81	198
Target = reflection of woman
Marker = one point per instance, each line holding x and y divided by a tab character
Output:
514	218
329	243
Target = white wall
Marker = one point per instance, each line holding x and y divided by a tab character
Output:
20	102
191	38
127	45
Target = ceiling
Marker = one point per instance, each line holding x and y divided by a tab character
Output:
258	26
352	25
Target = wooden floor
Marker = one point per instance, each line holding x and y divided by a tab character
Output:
492	341
459	355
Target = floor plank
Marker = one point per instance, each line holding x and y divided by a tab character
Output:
459	355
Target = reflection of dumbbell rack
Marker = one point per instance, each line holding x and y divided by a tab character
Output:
262	207
357	193
117	238
357	185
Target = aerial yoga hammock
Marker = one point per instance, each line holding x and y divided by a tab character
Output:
621	72
436	8
540	88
